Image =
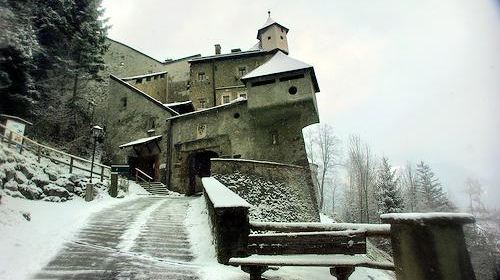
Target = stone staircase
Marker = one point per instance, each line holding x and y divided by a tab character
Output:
154	187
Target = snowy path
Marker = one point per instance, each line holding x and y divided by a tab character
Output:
142	239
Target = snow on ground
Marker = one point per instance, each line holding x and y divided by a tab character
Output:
27	246
202	242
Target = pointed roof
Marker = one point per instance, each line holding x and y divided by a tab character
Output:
281	63
269	22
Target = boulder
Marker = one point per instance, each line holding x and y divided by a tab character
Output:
41	179
30	191
27	170
9	170
55	190
14	194
52	199
20	178
11	185
51	173
76	178
65	183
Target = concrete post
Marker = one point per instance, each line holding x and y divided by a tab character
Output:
430	246
89	192
113	189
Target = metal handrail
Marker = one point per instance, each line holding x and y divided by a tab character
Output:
138	171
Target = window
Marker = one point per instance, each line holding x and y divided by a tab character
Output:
124	102
281	37
155	77
269	38
203	103
243	95
292	90
201	76
151	123
148	79
225	99
294	77
138	81
242	71
261	83
162	76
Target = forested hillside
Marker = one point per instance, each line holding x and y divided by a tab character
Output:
50	51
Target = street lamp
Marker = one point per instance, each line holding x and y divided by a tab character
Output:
97	133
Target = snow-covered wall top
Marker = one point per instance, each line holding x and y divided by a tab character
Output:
220	196
428	218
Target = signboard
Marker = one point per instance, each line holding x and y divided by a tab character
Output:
18	130
120	169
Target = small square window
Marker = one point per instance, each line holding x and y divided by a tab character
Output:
225	99
201	76
138	81
162	76
203	103
242	71
243	95
148	79
269	38
124	102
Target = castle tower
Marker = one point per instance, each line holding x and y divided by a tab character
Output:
273	36
283	88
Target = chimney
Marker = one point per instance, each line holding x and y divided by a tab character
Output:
217	48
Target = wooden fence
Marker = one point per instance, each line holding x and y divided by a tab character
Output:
72	161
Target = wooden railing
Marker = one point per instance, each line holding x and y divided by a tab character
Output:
53	154
141	175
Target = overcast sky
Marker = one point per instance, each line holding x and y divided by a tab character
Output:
416	79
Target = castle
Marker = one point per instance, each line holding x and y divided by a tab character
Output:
170	118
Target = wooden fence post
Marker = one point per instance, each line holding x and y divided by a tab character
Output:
102	173
10	139
22	145
71	165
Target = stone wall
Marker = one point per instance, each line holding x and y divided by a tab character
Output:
154	85
278	192
131	115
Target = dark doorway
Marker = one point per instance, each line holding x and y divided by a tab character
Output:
199	166
148	164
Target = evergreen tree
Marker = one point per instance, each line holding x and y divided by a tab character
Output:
432	194
388	194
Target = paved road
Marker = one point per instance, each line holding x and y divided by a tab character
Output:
141	239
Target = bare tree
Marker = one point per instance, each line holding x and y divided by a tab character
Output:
474	190
322	149
361	174
410	188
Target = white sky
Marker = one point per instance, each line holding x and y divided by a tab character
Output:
416	79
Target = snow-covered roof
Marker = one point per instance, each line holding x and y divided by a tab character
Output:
144	76
280	63
141	141
270	21
221	196
229	55
15	118
233	102
177	103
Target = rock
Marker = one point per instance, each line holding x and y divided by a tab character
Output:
55	190
52	199
76	178
30	191
41	180
9	170
11	185
27	170
78	191
20	178
53	175
65	183
27	216
14	194
3	176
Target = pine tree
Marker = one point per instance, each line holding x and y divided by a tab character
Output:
388	194
432	194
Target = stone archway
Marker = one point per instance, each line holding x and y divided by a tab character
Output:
198	167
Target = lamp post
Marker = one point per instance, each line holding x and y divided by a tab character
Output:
97	132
